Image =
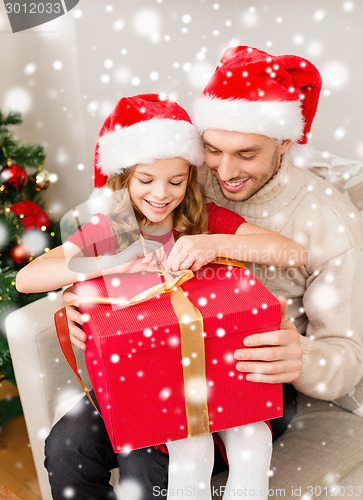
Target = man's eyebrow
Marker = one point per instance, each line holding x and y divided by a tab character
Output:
249	149
206	143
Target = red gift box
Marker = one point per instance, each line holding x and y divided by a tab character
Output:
137	363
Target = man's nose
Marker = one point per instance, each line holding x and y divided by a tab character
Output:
228	168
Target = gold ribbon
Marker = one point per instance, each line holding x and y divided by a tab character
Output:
193	362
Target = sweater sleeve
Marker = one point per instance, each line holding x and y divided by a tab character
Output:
333	346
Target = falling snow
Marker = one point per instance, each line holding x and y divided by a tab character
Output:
57	65
130	489
115	358
196	390
69	492
18	98
37	241
147	23
165	393
335	74
250	18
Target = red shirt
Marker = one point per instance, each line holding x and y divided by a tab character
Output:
97	238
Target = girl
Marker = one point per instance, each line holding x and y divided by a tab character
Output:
149	149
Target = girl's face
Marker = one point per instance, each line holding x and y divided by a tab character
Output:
158	188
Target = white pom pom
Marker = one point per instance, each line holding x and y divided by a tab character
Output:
100	201
302	155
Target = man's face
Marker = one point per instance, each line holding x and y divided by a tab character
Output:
242	163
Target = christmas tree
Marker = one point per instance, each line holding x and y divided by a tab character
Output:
25	231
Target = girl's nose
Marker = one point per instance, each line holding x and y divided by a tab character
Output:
160	191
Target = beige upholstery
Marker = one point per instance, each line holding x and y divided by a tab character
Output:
322	448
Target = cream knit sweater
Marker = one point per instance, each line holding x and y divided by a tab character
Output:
326	295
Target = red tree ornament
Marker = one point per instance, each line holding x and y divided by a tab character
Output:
13	176
31	215
20	254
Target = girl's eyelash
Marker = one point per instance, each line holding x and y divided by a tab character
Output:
172	183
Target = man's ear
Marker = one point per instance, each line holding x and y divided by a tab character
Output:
284	146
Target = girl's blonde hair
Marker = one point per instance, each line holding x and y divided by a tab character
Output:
190	217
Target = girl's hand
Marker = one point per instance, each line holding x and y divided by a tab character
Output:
193	252
141	256
75	320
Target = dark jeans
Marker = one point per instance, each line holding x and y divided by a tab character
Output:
79	456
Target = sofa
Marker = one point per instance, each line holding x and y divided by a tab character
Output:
331	465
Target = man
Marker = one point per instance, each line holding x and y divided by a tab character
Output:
248	124
255	108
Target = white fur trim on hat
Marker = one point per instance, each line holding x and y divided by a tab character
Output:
275	119
148	141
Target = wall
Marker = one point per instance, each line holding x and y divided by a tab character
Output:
67	75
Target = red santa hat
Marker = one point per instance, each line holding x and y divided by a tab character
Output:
254	92
141	129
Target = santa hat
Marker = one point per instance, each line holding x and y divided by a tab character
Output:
142	129
254	92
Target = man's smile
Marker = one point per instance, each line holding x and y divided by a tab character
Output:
234	186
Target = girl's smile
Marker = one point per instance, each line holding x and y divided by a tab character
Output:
156	189
157	207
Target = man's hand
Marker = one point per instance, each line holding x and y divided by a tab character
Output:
75	320
192	252
280	361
